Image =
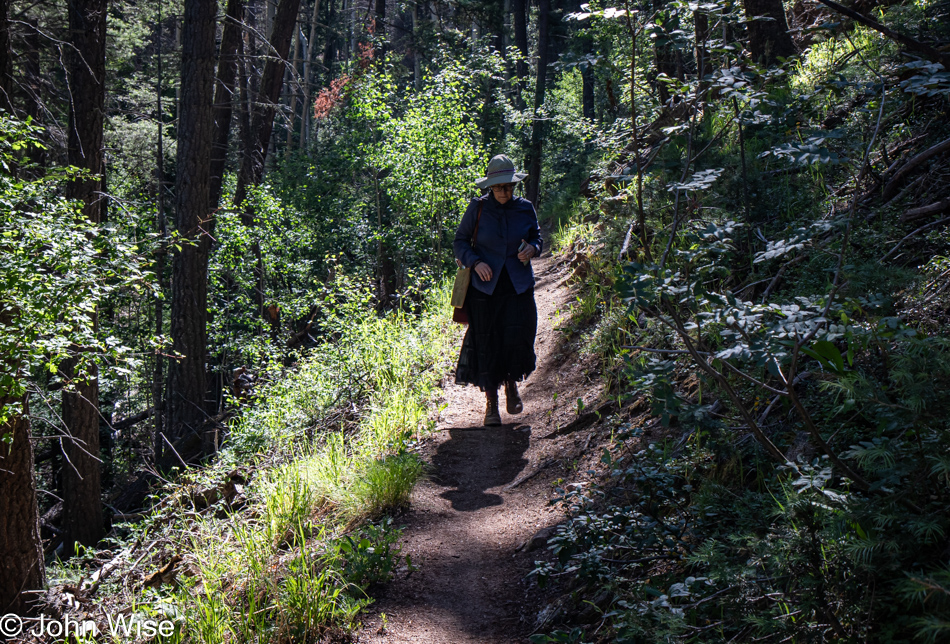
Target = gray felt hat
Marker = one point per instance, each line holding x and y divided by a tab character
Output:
501	169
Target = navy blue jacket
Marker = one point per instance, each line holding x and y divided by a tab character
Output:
500	231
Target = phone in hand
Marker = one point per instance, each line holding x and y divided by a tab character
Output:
523	245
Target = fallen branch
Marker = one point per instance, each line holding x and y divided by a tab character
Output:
890	189
583	421
923	211
908	236
125	423
530	475
907	41
910	187
675	352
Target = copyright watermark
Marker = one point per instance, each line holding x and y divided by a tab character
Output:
10	625
121	626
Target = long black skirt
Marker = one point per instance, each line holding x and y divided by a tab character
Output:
499	343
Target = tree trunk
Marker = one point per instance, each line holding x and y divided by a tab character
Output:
262	121
187	379
6	100
533	163
293	87
768	31
158	375
587	78
21	551
380	28
664	56
224	94
700	52
262	124
31	85
308	58
417	46
86	66
329	53
520	8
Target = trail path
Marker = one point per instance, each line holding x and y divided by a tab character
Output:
468	523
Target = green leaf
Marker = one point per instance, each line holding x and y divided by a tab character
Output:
827	354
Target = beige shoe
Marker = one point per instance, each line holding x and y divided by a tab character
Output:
492	417
512	399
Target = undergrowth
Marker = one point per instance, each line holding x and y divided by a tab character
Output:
289	547
787	327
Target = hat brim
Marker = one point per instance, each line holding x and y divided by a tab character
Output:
511	177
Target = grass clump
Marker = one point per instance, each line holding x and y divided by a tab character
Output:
288	548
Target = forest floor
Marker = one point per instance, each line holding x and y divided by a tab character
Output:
472	531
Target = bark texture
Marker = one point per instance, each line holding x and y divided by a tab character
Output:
520	10
224	94
86	65
6	102
700	52
187	380
380	27
768	31
21	551
262	121
533	162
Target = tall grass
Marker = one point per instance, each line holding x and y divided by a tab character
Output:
329	440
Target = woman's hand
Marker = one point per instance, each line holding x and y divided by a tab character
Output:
529	252
484	271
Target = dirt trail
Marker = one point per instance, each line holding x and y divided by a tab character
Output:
487	497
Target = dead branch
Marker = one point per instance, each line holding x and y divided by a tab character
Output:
923	211
583	421
890	189
907	41
932	224
125	423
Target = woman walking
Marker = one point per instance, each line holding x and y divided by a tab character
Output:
499	345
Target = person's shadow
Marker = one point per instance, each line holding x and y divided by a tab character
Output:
476	459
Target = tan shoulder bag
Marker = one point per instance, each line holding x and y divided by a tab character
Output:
463	278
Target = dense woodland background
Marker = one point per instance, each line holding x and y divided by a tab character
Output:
224	238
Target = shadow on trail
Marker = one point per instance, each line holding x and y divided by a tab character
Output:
476	459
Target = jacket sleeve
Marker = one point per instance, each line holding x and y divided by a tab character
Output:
534	235
463	236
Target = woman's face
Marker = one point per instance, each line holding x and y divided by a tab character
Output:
503	192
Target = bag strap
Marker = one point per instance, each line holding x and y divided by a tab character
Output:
474	232
477	221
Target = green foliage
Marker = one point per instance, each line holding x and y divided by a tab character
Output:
55	268
330	443
371	555
797	491
425	152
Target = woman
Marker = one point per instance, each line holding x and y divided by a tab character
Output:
503	320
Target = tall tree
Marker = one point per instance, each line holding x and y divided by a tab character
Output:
262	125
6	101
224	95
21	551
520	9
307	60
86	66
587	79
700	51
380	28
189	314
768	31
664	54
293	86
272	79
533	162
